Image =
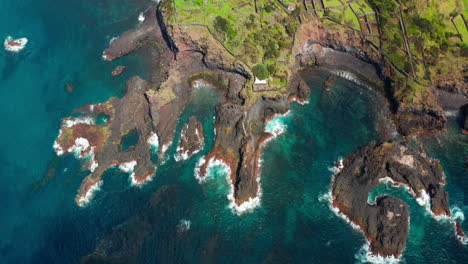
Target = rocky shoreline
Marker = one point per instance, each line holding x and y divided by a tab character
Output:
184	56
385	223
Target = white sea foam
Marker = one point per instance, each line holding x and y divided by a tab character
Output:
200	162
328	198
153	140
337	168
71	121
424	199
349	76
141	17
84	200
364	255
105	56
57	147
93	163
14	45
80	147
165	147
277	125
457	214
184	225
294	99
128	166
451	113
139	183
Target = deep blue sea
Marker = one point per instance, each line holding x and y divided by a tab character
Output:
40	223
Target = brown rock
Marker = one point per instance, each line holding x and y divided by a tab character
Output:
70	88
191	139
118	70
385	223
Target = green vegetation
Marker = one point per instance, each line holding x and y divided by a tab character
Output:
256	32
433	42
261	71
422	39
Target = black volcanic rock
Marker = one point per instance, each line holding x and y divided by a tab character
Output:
191	140
385	223
464	118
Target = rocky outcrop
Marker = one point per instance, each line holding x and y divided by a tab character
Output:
385	222
118	70
103	141
131	40
239	138
454	82
464	119
412	118
191	139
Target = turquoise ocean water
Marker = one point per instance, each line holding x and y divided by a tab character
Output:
294	223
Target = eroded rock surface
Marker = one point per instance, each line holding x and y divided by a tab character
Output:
118	70
191	139
464	118
385	223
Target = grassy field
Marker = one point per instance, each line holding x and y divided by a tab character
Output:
257	35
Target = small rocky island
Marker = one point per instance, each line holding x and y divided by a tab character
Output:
385	222
191	139
185	51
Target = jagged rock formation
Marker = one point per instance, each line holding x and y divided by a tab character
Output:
385	223
464	118
118	70
191	139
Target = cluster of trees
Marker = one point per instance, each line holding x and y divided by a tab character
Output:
223	26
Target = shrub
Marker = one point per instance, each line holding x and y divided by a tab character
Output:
424	24
261	71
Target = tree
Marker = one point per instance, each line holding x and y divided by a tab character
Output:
222	25
261	71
